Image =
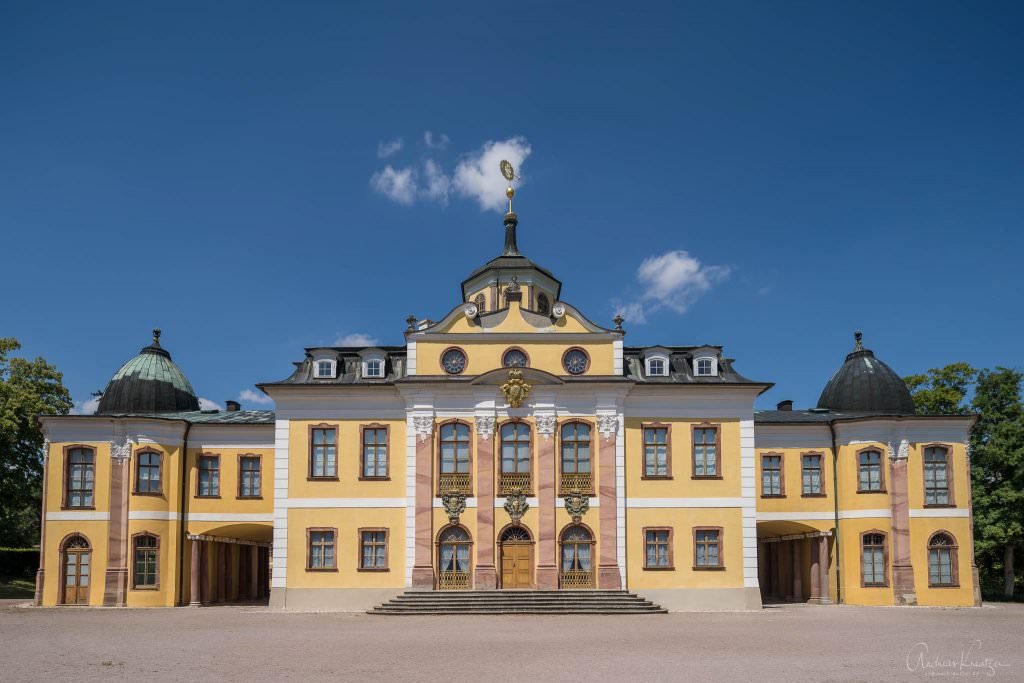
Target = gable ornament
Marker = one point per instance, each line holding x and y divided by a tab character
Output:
576	505
515	389
454	503
516	505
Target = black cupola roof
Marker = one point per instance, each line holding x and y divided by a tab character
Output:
148	383
865	384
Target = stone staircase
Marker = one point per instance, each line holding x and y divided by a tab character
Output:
518	602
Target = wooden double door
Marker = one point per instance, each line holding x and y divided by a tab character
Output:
76	577
517	565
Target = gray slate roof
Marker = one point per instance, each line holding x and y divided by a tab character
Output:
149	382
207	416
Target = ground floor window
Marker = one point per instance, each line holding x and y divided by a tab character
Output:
576	568
321	553
453	550
657	549
707	551
373	549
873	559
147	548
942	570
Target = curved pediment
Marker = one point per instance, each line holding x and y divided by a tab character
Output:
532	376
514	320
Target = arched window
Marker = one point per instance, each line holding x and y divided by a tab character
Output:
942	564
575	459
936	476
543	304
874	559
515	457
454	456
146	559
481	303
79	479
577	568
76	570
454	545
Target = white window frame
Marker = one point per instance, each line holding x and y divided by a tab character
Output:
650	370
316	368
366	368
714	366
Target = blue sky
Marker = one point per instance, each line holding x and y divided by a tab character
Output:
765	176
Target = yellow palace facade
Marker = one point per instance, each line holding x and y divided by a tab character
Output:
513	444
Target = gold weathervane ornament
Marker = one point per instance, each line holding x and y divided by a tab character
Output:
510	175
515	389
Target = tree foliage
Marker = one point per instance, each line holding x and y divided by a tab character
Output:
942	391
28	388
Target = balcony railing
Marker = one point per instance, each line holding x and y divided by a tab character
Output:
510	481
453	581
576	481
454	482
576	579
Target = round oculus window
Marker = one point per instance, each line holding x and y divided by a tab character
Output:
575	361
453	361
514	358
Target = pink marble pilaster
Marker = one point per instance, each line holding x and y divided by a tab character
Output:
608	577
485	574
423	562
115	584
547	566
902	571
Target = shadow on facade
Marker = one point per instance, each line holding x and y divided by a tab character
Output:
229	565
794	562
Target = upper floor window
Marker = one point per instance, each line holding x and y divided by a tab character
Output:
705	452
810	472
942	565
869	472
453	361
373	549
873	559
324	369
936	476
515	448
705	367
575	361
657	366
320	554
657	549
656	452
249	476
375	452
147	472
454	448
147	547
575	448
707	548
79	478
209	476
515	358
374	367
323	455
543	304
771	475
481	303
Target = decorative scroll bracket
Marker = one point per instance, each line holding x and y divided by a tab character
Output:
424	426
608	425
484	426
454	505
516	506
545	425
576	505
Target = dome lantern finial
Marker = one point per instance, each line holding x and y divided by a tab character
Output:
511	221
156	336
858	345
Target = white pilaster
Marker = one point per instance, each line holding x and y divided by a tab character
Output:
749	494
280	565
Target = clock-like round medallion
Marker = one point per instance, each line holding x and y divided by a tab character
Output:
514	358
453	361
575	361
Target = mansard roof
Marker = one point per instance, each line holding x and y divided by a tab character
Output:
681	366
349	359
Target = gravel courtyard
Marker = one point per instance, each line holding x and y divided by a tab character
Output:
792	643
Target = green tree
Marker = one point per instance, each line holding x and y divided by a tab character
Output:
27	388
941	391
997	471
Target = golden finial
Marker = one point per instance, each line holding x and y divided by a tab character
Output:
510	175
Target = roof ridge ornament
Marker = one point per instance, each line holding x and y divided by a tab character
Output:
156	336
858	344
511	220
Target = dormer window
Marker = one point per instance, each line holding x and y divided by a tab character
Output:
705	367
324	369
657	366
375	367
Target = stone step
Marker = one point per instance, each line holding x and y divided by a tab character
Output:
518	602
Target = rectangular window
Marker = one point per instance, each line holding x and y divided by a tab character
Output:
323	454
375	452
771	475
321	549
324	368
656	452
707	548
249	479
209	476
146	561
936	476
656	367
373	549
147	472
658	549
869	479
375	368
810	474
872	554
80	478
705	452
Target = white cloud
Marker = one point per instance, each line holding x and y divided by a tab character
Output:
386	148
673	280
477	176
436	183
436	141
207	404
250	396
87	407
397	185
355	339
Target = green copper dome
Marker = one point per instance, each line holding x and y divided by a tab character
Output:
149	383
